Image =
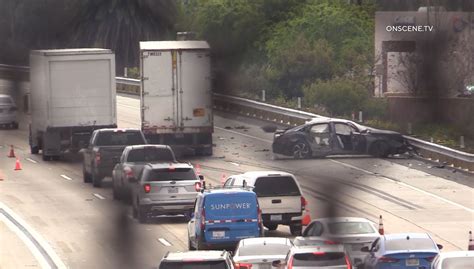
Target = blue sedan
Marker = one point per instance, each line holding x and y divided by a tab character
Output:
403	250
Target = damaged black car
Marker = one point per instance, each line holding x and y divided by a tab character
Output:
326	136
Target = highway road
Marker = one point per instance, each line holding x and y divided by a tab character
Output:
48	216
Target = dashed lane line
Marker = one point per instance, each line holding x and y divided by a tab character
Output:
31	160
164	242
99	196
66	177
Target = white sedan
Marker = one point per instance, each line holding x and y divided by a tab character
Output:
454	260
261	252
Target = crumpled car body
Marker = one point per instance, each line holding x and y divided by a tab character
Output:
326	136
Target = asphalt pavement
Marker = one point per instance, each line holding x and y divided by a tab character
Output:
85	228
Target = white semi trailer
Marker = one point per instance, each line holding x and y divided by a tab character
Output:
72	94
176	96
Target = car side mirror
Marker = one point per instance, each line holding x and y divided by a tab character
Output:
201	177
365	249
439	246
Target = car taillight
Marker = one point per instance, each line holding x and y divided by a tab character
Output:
386	259
430	259
303	203
97	157
147	188
128	172
348	262
197	186
243	266
319	253
203	219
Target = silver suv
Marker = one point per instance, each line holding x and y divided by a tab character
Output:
197	259
165	189
8	111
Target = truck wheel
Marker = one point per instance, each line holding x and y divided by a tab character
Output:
96	180
296	230
34	149
86	176
142	214
190	246
271	227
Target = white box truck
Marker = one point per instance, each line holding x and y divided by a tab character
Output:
176	95
72	94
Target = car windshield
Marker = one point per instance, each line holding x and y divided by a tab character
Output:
119	138
170	174
5	100
276	186
194	265
269	249
458	263
319	259
411	244
150	154
338	228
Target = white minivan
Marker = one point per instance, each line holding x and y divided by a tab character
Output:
279	195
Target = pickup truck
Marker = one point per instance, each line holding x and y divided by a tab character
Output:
104	151
133	159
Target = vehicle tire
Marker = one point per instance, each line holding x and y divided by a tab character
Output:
380	149
34	149
115	193
301	150
271	227
142	214
190	246
86	176
134	211
96	180
296	230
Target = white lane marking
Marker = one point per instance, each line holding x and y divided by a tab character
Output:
27	241
66	177
31	160
236	164
99	196
164	242
407	185
246	135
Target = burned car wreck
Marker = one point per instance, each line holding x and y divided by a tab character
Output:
326	136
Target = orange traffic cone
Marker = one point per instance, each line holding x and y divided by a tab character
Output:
471	242
223	178
12	152
381	229
198	169
17	164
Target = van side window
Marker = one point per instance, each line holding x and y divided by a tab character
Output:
238	181
316	229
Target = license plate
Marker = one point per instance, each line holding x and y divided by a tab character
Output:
412	262
275	217
357	247
172	190
218	234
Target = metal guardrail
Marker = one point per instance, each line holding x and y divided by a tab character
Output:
291	117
